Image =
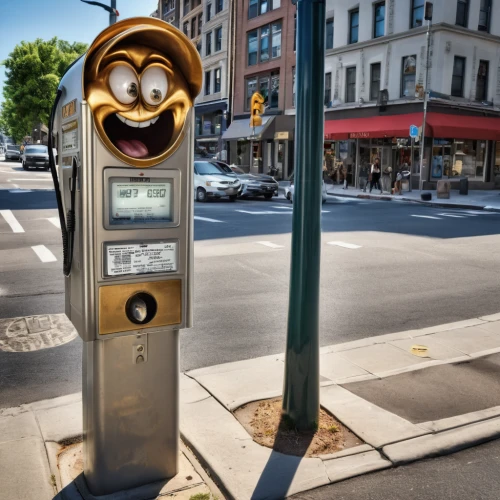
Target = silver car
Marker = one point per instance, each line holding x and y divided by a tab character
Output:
36	156
251	184
12	153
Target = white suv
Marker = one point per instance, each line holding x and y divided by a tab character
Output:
210	181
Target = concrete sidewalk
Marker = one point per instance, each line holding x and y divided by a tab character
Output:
33	436
475	200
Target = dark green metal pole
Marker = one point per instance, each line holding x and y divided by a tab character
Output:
112	15
301	385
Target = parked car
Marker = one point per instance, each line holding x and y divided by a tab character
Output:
211	182
35	155
251	184
289	190
12	152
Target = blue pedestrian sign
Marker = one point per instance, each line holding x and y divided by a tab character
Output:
413	131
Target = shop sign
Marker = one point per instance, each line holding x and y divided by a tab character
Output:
282	136
359	135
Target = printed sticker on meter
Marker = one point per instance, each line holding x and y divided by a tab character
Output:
143	258
133	202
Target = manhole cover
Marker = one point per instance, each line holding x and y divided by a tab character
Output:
33	333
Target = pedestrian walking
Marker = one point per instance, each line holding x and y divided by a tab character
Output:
375	177
386	179
398	186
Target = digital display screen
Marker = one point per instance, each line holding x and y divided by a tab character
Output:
142	201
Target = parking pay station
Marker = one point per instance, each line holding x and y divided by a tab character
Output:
124	125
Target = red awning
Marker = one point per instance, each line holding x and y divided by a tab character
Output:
438	125
372	127
464	127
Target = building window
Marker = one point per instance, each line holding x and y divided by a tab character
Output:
185	27
200	23
259	7
209	12
484	15
462	13
252	47
293	88
186	7
198	47
208	44
374	81
251	88
379	20
219	5
482	81
408	74
328	89
260	48
457	80
193	27
350	84
295	32
267	85
353	26
208	74
329	32
217	73
218	39
417	13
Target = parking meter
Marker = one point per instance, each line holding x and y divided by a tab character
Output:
124	126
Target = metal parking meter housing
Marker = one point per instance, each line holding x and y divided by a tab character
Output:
125	133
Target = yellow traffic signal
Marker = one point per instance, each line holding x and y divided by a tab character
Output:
256	109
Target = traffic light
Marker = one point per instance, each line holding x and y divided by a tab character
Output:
428	11
256	109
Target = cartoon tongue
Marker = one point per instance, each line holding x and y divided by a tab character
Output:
132	148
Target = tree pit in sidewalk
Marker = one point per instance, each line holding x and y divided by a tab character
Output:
264	422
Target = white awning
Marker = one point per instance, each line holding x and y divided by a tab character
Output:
240	129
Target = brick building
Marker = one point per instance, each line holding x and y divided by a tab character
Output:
264	61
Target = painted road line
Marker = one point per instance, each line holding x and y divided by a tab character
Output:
454	216
44	254
283	208
19	191
269	244
270	212
11	221
55	221
206	219
41	179
427	217
342	244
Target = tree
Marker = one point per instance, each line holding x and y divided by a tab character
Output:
33	71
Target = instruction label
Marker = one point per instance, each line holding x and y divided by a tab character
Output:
141	258
70	135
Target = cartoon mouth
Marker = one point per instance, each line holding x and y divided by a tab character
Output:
145	139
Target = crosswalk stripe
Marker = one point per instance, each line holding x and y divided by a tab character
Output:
12	221
55	221
206	219
269	244
427	217
343	244
283	208
267	212
44	254
454	216
19	191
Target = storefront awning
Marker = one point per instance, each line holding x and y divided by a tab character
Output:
451	126
464	127
240	129
373	127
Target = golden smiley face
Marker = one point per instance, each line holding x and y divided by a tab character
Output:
139	99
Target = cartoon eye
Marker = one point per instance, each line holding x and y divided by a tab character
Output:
124	84
154	85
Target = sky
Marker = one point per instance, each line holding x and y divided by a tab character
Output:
70	20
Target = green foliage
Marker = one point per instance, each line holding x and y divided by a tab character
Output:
33	71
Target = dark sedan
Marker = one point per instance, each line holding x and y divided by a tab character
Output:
36	156
252	184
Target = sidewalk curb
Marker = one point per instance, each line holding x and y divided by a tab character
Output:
442	443
434	204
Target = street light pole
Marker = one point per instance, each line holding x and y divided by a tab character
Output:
112	15
428	16
301	381
113	12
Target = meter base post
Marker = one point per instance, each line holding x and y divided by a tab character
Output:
131	411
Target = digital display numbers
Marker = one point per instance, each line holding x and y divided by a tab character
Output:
148	201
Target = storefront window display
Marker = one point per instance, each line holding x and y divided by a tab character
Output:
496	170
458	158
239	152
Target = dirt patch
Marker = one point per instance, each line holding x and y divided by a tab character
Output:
263	421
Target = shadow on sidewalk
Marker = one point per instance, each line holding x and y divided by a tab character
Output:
280	470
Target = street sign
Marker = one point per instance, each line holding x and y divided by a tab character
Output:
413	131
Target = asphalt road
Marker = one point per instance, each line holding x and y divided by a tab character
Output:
401	270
